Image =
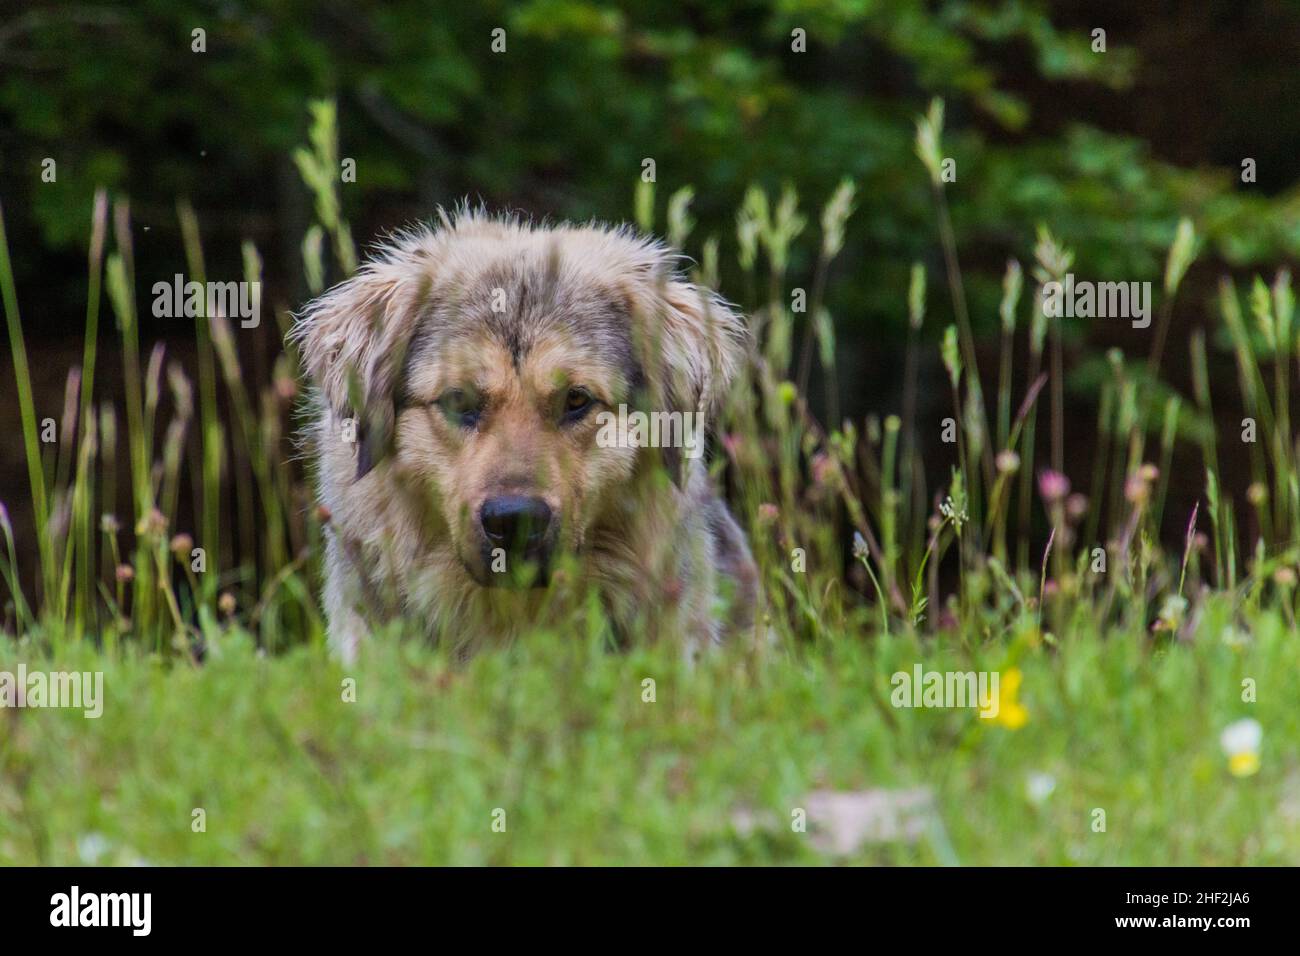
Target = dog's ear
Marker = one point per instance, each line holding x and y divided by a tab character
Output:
353	341
702	344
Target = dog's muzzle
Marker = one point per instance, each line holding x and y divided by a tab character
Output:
517	530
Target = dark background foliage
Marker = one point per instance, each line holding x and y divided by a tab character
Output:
1106	149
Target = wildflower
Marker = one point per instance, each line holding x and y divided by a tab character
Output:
951	510
1170	618
768	513
1039	786
1008	462
226	603
1257	493
860	550
151	525
1234	637
823	469
1136	489
1011	713
1053	486
109	524
1240	741
91	847
125	573
1076	506
181	545
1284	577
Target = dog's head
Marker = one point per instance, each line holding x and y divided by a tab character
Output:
500	367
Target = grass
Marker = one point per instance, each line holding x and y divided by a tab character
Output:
556	732
1133	655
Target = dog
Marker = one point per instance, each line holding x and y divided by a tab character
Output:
459	382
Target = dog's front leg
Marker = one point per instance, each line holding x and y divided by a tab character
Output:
344	597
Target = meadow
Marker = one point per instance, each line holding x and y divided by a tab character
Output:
1148	686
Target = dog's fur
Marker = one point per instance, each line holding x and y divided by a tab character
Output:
519	314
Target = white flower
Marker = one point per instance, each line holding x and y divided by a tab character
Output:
1241	740
1039	786
949	509
92	846
1242	736
1234	637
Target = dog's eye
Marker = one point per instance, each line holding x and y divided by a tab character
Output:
461	407
577	402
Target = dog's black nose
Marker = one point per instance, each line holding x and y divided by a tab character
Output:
516	522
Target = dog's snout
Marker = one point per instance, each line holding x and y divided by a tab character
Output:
515	521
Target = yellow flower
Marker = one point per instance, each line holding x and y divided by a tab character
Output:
1243	764
1011	713
1241	741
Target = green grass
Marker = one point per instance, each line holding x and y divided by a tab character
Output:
221	697
555	731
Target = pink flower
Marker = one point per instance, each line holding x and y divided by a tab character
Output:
1052	485
1136	489
823	469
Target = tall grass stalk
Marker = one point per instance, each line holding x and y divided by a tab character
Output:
85	616
120	272
212	440
27	414
929	133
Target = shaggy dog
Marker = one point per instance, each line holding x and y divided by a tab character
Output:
465	379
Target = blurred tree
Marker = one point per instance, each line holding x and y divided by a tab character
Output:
720	93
